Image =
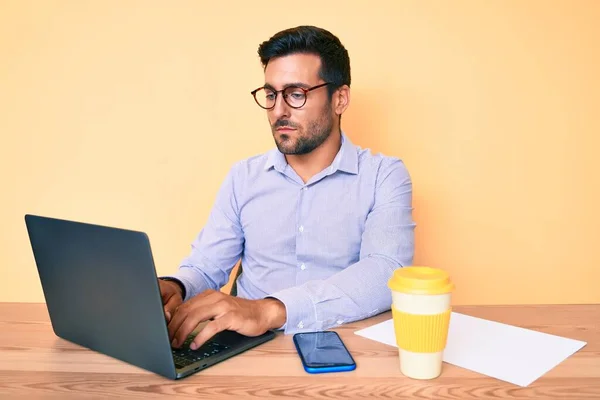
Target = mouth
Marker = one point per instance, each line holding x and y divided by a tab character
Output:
285	129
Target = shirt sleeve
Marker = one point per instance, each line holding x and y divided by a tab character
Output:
360	290
217	247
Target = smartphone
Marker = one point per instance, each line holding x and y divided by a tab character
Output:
323	352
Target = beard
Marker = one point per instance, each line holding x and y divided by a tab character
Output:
303	141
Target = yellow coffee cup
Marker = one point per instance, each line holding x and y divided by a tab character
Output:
421	311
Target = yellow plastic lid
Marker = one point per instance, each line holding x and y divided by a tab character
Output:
420	280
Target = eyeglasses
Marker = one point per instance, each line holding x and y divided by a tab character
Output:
294	96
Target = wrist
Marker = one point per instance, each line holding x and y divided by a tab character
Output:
177	284
274	312
177	288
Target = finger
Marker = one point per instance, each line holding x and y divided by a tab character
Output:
199	314
164	290
211	329
206	312
203	300
179	314
171	305
177	319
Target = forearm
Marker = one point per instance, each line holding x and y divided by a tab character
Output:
357	292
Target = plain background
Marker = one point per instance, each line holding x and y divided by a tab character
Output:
130	113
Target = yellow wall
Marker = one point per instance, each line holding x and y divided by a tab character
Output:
130	113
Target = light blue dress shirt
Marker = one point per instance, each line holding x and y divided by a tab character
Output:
326	249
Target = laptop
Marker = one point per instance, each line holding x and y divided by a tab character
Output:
102	293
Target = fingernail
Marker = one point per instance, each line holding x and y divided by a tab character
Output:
193	346
168	314
174	343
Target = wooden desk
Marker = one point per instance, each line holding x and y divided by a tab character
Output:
34	363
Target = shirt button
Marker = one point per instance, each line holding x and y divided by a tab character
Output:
303	267
305	188
301	229
300	325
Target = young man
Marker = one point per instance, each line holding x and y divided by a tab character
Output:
319	224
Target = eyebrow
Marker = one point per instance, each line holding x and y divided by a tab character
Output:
287	85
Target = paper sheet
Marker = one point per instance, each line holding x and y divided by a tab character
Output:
506	352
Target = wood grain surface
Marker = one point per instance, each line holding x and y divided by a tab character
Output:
35	364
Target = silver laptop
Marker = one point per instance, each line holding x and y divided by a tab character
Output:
102	292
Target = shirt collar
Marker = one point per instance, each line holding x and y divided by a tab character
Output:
345	160
275	159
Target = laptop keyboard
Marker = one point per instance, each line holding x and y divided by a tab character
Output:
185	356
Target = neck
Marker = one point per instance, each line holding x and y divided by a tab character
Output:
308	165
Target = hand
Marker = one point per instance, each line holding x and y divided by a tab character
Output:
170	292
247	317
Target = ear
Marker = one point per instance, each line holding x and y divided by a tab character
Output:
341	99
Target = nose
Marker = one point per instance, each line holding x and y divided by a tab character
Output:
281	108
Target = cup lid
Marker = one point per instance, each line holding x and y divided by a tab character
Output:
420	280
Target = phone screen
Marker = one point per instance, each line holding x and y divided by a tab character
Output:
322	349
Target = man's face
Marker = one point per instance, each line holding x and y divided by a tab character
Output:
299	131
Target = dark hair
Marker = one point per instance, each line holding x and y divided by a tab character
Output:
335	62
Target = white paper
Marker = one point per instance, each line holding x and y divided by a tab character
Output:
506	352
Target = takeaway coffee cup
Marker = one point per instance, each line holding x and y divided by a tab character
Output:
421	311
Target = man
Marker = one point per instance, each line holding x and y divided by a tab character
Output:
319	224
